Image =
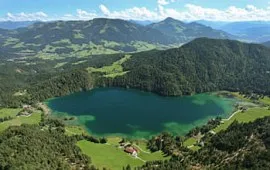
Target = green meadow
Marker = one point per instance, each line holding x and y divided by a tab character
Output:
112	157
247	116
114	70
18	120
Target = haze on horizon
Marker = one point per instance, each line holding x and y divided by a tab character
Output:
154	10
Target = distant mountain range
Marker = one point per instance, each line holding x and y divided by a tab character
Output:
267	44
256	31
15	25
185	32
144	23
101	36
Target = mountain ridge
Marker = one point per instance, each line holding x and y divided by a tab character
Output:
188	31
99	36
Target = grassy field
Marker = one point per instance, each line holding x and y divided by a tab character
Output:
17	121
112	157
9	112
74	130
114	70
265	100
190	141
247	116
108	156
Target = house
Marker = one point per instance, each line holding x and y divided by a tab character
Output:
131	150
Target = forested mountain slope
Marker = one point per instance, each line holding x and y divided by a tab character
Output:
82	38
185	32
15	24
98	36
267	44
241	146
200	66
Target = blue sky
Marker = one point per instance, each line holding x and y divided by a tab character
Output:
219	10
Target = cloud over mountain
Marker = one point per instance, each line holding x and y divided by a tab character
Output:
164	9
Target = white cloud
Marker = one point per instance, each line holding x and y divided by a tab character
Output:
25	16
191	12
135	13
232	13
163	2
104	10
84	15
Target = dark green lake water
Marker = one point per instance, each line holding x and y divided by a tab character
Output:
114	111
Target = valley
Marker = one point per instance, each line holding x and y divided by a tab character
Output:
112	94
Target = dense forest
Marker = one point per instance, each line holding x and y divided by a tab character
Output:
40	147
185	32
36	79
202	65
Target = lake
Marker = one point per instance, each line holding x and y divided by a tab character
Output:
133	113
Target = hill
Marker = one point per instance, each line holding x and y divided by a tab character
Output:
256	31
200	66
15	24
54	40
82	38
185	32
267	44
241	146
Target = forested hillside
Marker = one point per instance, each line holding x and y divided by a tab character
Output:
185	32
81	38
241	146
40	147
267	44
98	36
200	66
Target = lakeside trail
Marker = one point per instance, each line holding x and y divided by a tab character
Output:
44	108
141	149
232	115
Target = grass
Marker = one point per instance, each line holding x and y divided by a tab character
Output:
35	118
142	46
190	141
240	96
9	112
195	148
248	116
79	62
74	130
19	45
60	64
63	41
108	156
112	71
112	157
11	41
265	100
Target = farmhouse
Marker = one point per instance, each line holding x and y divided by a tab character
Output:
131	150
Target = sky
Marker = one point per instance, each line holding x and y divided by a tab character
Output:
154	10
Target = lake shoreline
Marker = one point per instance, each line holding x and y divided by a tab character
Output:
119	101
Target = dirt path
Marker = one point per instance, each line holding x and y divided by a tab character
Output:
140	159
141	149
232	115
44	108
